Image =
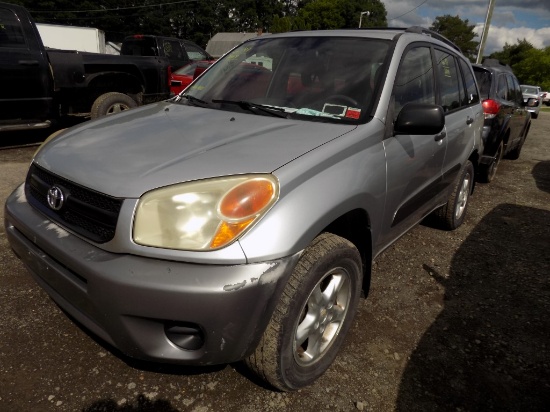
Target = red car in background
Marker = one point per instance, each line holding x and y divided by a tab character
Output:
182	77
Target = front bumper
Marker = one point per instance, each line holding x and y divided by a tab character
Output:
136	303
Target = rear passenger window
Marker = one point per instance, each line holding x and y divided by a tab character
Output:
415	79
502	87
11	34
450	81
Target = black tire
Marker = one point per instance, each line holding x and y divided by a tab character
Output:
306	331
488	172
111	103
451	215
534	115
516	151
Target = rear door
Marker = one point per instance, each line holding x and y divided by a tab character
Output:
463	126
25	79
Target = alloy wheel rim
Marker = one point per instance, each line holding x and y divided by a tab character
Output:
322	317
463	197
117	108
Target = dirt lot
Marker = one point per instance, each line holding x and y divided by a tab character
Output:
455	321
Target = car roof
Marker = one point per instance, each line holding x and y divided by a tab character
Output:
493	65
383	33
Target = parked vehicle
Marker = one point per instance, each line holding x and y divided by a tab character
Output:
532	98
546	98
86	39
179	51
239	220
38	87
183	77
507	121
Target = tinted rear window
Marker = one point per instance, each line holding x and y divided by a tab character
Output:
144	46
483	78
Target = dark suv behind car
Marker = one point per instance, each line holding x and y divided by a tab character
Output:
507	121
178	51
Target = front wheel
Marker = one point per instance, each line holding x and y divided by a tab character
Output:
111	103
312	317
452	214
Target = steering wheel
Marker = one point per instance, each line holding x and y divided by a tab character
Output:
342	98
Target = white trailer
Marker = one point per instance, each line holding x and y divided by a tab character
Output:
87	39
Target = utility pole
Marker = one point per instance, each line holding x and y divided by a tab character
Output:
485	30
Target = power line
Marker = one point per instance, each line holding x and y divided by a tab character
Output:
115	9
410	11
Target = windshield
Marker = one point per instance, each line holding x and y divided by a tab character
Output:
529	90
314	78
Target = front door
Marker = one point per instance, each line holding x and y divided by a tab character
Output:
414	163
25	82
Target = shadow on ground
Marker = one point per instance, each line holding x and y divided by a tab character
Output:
489	349
142	404
541	174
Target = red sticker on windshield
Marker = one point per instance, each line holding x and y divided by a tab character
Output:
353	113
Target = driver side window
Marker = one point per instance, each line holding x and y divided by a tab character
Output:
415	79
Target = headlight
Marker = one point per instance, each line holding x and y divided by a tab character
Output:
203	215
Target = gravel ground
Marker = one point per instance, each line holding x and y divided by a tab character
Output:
455	321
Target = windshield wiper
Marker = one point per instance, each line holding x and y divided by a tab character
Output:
195	101
255	107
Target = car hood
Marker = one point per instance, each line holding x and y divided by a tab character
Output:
164	143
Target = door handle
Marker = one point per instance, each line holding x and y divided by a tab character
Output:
28	62
469	120
440	136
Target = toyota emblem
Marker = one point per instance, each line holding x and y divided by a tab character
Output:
55	198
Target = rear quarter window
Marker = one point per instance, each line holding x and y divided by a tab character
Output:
472	93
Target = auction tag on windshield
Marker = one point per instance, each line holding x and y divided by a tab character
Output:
353	113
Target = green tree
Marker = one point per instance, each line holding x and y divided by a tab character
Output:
534	68
341	14
512	54
459	32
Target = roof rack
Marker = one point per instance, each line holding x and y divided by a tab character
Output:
434	34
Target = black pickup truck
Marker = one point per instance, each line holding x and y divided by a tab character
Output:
39	86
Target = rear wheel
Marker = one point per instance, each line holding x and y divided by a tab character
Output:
488	172
451	215
313	316
111	103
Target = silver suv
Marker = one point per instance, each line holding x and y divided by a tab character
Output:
239	220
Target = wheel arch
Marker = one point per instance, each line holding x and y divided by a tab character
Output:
120	82
355	226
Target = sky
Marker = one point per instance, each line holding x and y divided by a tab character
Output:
511	20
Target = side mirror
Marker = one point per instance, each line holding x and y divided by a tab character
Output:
532	102
419	118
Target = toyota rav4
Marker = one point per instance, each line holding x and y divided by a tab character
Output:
239	220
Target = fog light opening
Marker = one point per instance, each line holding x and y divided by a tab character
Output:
185	335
